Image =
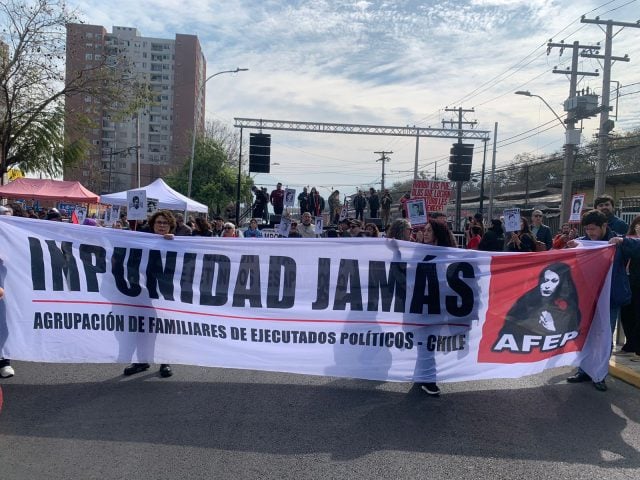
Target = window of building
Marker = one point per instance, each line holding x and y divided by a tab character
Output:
88	56
89	35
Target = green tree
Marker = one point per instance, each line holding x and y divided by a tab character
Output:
33	86
215	177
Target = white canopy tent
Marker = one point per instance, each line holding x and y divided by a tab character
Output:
167	197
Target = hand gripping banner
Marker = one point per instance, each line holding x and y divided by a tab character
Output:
352	307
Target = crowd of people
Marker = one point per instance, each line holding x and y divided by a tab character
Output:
532	236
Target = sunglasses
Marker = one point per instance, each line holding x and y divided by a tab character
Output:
537	215
228	228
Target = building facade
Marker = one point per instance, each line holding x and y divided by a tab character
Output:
135	146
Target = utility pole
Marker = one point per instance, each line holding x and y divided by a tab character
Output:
606	125
383	158
138	149
460	123
493	171
572	137
484	167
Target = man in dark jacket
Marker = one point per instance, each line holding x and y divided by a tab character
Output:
303	200
596	229
540	231
359	203
374	203
260	203
604	203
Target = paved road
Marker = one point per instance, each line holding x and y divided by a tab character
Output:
89	422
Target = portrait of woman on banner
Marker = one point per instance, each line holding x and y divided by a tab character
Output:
550	308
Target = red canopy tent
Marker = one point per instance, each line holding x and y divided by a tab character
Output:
60	190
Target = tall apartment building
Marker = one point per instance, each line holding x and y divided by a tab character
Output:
156	138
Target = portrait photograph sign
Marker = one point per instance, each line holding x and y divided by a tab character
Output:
417	211
289	197
80	214
511	219
284	227
136	205
152	205
577	203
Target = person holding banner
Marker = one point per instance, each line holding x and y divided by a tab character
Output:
435	233
630	314
6	370
551	308
400	229
597	229
162	222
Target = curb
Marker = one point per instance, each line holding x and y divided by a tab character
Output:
626	374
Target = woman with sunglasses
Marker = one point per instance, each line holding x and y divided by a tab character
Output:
229	231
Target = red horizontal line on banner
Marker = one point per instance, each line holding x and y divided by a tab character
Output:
257	319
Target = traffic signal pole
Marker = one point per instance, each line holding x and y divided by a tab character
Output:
460	122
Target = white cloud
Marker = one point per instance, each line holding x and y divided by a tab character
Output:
389	63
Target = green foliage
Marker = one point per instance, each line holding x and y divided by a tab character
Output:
214	180
33	87
41	145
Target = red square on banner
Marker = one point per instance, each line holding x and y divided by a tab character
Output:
541	304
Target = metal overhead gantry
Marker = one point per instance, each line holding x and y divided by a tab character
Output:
356	129
353	129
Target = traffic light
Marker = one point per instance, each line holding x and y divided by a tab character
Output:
259	152
460	162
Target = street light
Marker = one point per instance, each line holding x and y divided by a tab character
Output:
527	93
567	178
195	120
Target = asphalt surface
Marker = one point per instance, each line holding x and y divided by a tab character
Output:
90	422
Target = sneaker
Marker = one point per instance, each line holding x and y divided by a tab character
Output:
578	377
165	370
7	371
431	389
622	353
600	386
135	368
635	358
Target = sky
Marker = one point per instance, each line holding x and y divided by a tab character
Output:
391	63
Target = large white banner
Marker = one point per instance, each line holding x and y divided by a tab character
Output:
350	307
